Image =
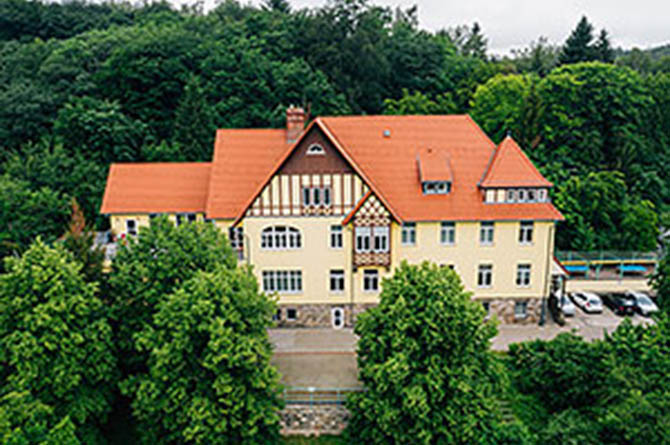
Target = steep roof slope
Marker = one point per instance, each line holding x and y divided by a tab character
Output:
390	164
156	188
510	167
242	160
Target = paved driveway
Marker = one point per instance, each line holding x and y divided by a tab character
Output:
326	358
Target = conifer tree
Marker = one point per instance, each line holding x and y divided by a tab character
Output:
578	47
603	48
193	126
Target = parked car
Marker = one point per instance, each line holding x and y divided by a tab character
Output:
620	303
643	304
567	306
588	302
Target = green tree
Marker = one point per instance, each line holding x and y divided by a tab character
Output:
26	214
79	239
419	103
194	128
540	57
425	361
98	130
209	378
55	340
578	46
603	48
660	281
148	268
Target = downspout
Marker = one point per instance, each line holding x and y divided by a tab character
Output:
547	272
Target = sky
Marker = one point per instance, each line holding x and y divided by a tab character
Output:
512	24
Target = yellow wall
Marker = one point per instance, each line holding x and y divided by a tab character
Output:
118	222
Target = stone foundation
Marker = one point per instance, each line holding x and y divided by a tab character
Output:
321	315
313	420
504	310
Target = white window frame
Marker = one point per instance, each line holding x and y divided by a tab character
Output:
542	195
282	281
448	233
523	275
485	276
335	314
336	276
521	194
486	233
408	234
336	237
370	280
236	237
316	149
381	234
520	309
281	238
510	195
306	196
131	231
526	229
363	239
532	195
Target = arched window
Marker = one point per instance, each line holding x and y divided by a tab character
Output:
281	238
315	149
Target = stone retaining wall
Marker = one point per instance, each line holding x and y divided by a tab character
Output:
313	420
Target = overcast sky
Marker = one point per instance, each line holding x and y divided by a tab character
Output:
514	23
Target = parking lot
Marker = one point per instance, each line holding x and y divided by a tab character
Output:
326	358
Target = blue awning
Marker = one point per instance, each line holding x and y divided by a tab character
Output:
632	268
577	268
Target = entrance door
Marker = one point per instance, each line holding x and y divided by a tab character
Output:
337	317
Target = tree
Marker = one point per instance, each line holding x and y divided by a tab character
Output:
79	239
55	340
578	47
152	266
282	6
419	103
540	57
194	128
26	214
603	48
425	361
209	378
660	281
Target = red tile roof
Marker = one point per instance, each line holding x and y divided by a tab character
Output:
390	164
434	165
242	161
156	188
510	167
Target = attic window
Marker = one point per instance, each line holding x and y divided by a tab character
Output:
315	149
436	187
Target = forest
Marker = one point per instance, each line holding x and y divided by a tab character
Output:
86	84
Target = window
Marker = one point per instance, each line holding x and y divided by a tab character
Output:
337	281
381	239
131	227
526	232
485	275
487	307
153	216
282	281
370	280
316	194
511	195
363	239
281	238
291	314
277	315
336	237
542	195
315	149
184	217
236	237
522	195
532	195
520	309
306	196
326	196
486	233
448	233
408	234
337	317
436	187
523	275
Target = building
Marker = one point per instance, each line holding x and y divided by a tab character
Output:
323	213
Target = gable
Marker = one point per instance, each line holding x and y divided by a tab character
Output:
304	160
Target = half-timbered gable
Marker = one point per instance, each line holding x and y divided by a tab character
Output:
372	233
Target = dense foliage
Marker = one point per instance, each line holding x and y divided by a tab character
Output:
86	84
57	362
424	358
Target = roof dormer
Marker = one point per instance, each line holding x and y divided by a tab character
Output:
434	172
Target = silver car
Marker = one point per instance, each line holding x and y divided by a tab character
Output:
567	307
643	304
588	302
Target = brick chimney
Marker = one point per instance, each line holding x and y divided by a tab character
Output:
295	123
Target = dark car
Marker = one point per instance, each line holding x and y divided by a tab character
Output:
620	303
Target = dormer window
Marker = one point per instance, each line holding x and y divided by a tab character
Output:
315	149
436	187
